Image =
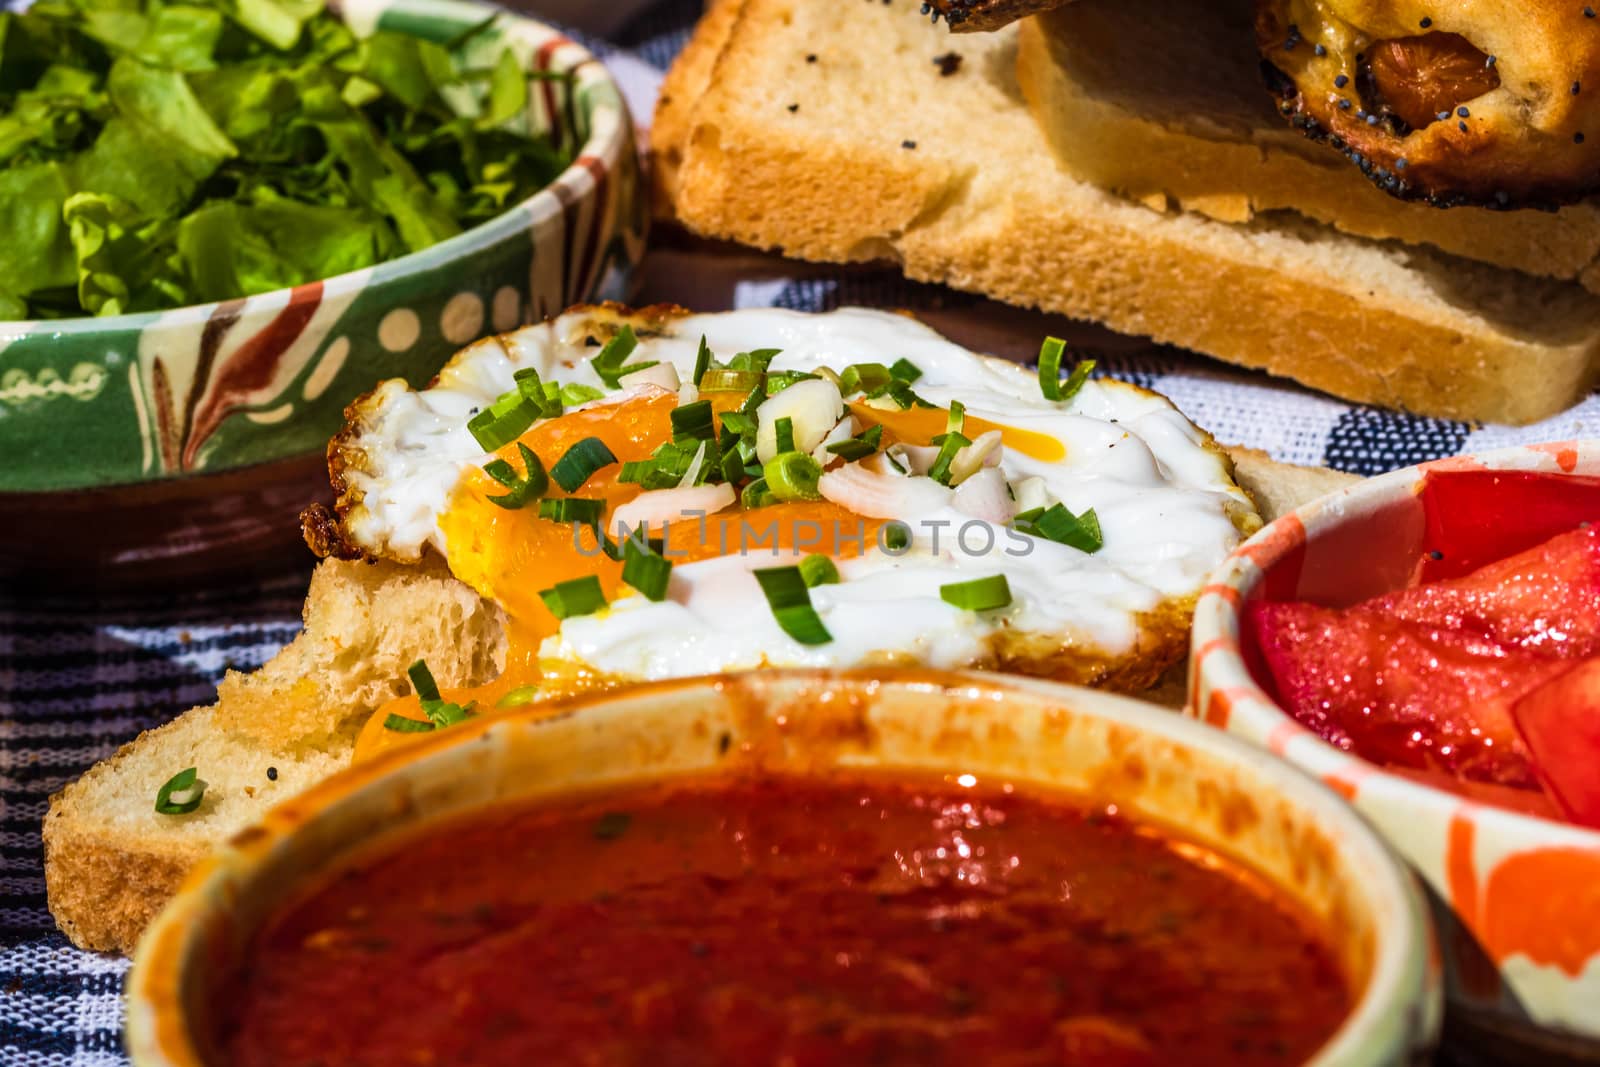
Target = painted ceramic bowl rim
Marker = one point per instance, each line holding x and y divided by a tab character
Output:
603	143
1215	656
1402	973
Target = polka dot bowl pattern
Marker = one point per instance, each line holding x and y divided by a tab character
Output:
185	398
1516	897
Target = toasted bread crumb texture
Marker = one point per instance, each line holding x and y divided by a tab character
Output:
111	861
868	152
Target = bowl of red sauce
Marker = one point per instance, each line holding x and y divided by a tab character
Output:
801	868
1428	644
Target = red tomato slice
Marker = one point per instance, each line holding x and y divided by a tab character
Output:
1477	517
1398	693
1546	599
1560	723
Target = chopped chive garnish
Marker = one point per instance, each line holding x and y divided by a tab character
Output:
952	443
980	594
727	380
896	536
702	361
523	490
580	463
1050	367
635	471
580	596
401	724
522	694
444	713
903	396
1057	524
737	422
732	466
817	570
957	419
503	421
573	395
864	378
792	476
783	433
752	400
573	509
903	370
422	681
645	571
693	422
778	381
790	601
181	794
756	495
634	368
757	359
1075	380
608	361
860	446
544	396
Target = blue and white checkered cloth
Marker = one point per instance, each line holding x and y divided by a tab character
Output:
78	679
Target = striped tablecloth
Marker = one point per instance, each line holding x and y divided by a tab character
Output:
79	678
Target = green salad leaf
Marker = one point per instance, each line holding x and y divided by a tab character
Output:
155	154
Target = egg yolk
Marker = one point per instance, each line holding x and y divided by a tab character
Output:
509	555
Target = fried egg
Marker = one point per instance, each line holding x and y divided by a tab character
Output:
906	513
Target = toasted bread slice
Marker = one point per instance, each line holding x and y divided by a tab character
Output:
1118	90
869	152
111	861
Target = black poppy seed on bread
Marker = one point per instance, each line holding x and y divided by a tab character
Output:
1320	50
793	108
272	774
1577	138
908	144
1426	22
1341	81
1462	126
1463	111
948	63
1293	38
1490	61
811	57
1577	87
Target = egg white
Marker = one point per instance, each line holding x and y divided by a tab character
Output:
1166	503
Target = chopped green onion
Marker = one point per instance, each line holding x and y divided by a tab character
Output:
895	463
756	495
645	571
576	509
864	377
402	724
783	434
503	421
727	380
1057	524
1075	380
952	443
732	466
702	361
443	713
757	359
980	594
752	401
544	396
693	422
573	395
181	794
634	368
860	446
523	490
904	370
901	394
516	698
581	462
635	471
792	476
608	361
790	601
957	419
896	536
422	681
817	570
778	381
580	596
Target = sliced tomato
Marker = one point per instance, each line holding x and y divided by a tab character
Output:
1477	517
1546	599
1399	693
1560	724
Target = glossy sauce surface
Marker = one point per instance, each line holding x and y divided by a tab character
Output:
794	921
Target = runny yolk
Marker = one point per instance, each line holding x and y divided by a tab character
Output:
508	556
918	425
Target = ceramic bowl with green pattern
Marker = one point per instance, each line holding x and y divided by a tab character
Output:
140	447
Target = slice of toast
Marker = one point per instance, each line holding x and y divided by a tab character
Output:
111	861
830	132
1165	98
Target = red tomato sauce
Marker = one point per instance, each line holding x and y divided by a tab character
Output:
793	921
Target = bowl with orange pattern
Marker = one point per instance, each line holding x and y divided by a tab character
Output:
1427	643
159	444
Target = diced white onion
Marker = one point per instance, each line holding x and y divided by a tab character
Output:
984	496
693	473
813	407
649	510
1030	493
973	458
663	374
881	496
845	430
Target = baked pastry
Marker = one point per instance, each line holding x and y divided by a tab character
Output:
973	16
1462	103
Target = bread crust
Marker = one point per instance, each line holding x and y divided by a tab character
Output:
1524	129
